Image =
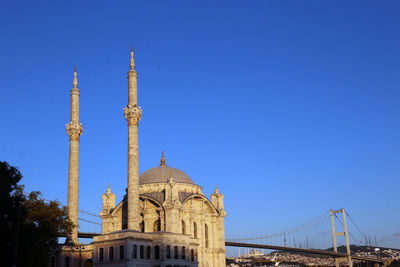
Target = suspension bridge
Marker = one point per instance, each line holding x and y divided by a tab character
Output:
319	236
316	237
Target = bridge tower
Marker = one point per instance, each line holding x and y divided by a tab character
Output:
74	130
345	234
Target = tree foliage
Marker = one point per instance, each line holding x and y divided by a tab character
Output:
36	222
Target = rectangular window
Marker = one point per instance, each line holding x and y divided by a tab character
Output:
101	254
134	252
67	261
111	253
192	254
148	252
142	252
176	252
157	252
121	252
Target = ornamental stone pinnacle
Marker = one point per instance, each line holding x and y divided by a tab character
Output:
132	114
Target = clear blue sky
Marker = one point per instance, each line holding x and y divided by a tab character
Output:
291	107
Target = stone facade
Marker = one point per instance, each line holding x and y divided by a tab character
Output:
174	207
163	220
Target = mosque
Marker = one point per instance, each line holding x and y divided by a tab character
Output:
163	220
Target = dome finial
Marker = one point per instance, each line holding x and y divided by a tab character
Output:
162	159
108	189
216	189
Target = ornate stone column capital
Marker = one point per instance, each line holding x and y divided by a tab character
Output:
74	130
132	114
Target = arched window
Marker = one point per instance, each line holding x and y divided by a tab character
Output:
168	252
157	225
206	234
157	252
101	254
192	254
121	252
148	252
194	229
141	248
176	252
183	253
134	252
141	226
111	253
183	227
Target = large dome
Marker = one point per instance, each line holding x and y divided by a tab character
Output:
162	173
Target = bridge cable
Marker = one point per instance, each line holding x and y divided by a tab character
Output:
358	228
354	239
302	227
62	205
89	221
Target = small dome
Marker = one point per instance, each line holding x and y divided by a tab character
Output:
162	173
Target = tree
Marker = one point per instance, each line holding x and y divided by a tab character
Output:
29	225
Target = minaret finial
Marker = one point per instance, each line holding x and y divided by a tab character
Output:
162	159
132	59
216	189
108	189
75	82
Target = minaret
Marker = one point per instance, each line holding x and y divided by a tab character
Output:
74	130
133	113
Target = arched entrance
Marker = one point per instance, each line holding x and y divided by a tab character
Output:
88	263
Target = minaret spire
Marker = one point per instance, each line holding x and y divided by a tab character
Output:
75	82
74	130
133	113
132	59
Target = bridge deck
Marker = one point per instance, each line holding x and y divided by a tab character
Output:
248	245
302	250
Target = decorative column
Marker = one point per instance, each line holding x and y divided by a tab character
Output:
74	130
172	205
133	113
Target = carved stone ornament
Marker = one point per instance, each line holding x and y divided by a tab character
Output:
74	130
132	114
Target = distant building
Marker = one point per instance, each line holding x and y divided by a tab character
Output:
163	220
